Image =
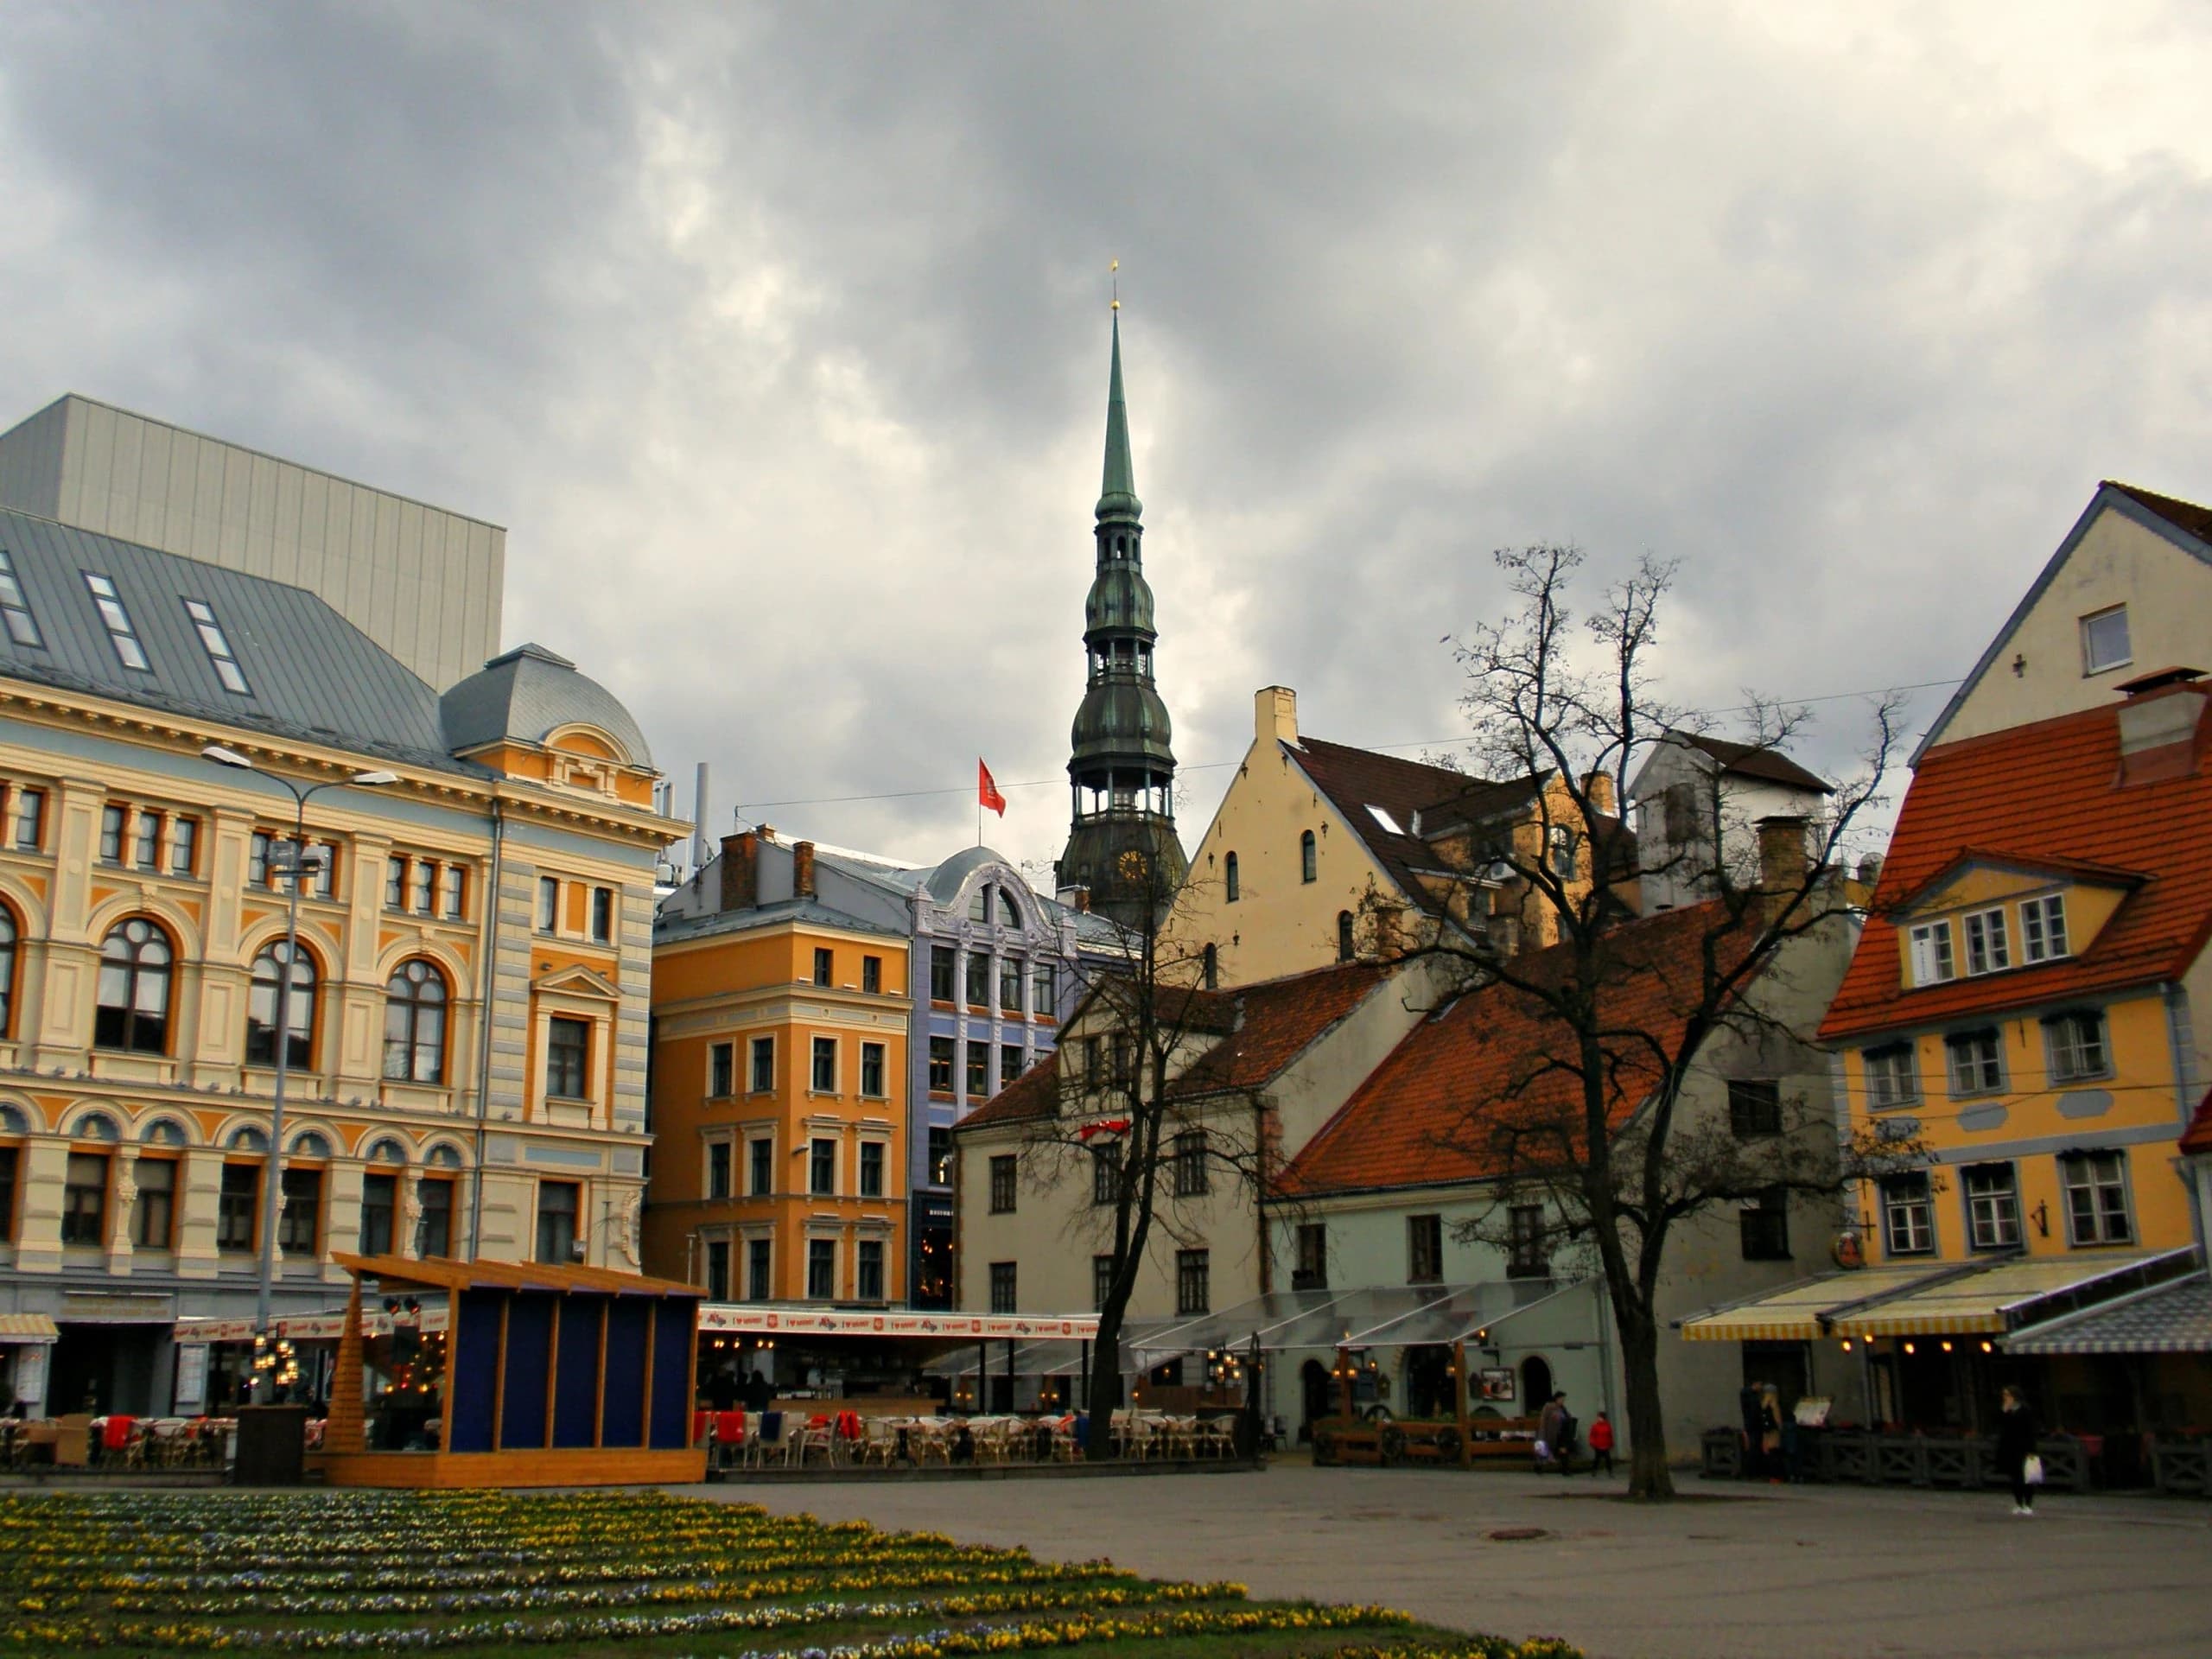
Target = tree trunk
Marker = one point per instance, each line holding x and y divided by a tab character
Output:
1649	1476
1105	1382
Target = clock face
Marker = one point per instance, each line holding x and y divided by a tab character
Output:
1132	866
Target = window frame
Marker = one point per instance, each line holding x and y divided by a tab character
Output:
2043	929
822	1167
1193	1282
217	644
1526	1256
944	973
825	968
548	919
1762	1226
1194	1180
871	975
115	617
943	1065
1425	1248
761	1066
1989	1073
2074	1023
822	1065
1989	1195
1907	1202
722	1069
141	1210
262	1035
299	1230
875	1160
760	1166
238	1201
137	1032
1309	858
1006	1296
1938	965
1989	941
720	1162
1004	1178
2099	1214
1896	1066
602	915
549	1218
15	610
1011	974
1232	884
568	1057
869	1264
1754	1108
423	1019
821	1269
75	1211
2091	665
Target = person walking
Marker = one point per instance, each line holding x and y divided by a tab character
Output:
1601	1444
1552	1427
2015	1444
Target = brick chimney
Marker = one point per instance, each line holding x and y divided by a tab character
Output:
1599	786
741	867
1275	714
1783	861
803	869
2158	720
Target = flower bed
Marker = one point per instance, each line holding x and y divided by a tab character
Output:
493	1574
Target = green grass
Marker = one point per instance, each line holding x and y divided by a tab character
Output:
483	1575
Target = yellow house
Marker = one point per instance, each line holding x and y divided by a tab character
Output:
2029	999
464	1035
780	1090
1321	853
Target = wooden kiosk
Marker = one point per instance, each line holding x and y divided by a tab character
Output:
553	1376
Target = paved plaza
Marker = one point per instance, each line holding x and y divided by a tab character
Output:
1734	1573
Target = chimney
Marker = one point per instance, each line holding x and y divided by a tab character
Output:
2158	720
741	871
1275	714
1599	786
1783	862
803	869
699	818
1079	898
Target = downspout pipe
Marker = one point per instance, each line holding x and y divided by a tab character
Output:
493	892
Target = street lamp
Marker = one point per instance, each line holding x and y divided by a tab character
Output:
291	859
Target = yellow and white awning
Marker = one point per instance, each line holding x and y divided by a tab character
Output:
1995	1299
28	1327
1797	1312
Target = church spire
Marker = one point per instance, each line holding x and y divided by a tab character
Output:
1117	487
1121	842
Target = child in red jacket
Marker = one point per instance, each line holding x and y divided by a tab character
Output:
1601	1445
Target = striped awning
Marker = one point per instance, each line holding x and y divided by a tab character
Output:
2169	1319
2000	1298
28	1327
1797	1312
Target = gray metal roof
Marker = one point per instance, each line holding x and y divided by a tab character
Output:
2170	1318
529	691
667	928
311	675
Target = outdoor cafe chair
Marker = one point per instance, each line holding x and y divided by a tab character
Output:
770	1438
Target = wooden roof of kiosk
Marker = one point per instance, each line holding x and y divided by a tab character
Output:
554	1377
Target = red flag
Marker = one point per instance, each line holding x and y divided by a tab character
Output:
987	792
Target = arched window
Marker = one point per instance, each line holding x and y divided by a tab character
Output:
1009	912
415	1023
978	907
387	1151
247	1138
134	988
1213	968
299	1009
96	1125
162	1132
310	1145
1232	889
1345	952
1308	858
7	971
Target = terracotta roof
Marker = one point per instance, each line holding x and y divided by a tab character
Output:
1264	1027
1278	1019
1750	761
2197	1137
2183	514
1035	1093
1419	1120
2042	795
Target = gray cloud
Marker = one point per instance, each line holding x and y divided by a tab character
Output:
776	335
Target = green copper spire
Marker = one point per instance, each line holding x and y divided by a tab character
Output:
1117	490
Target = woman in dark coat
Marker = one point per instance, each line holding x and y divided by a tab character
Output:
2016	1442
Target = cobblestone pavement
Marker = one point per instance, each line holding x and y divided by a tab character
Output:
1733	1573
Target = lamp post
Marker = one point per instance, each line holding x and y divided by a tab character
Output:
288	859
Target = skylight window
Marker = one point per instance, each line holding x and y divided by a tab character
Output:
219	648
120	631
1384	818
22	627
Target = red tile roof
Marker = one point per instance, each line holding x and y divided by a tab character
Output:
2183	514
2197	1137
2042	795
1427	1115
1264	1027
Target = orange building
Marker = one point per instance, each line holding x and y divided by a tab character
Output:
779	1094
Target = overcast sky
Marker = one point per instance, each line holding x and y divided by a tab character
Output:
777	336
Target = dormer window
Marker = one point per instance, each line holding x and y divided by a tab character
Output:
1988	951
2043	928
14	609
217	645
118	621
1931	954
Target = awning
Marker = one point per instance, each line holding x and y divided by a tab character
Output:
2008	1294
1441	1323
1283	1321
1797	1312
2169	1319
305	1327
28	1327
774	1319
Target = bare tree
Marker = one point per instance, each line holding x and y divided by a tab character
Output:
1591	1123
1147	1122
